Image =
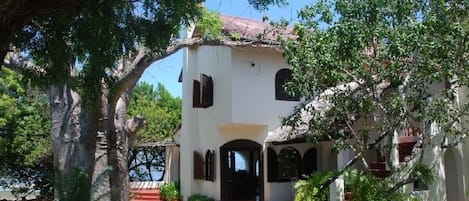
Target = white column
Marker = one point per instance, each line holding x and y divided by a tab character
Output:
394	157
337	188
172	164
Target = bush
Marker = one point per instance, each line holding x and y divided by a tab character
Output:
170	191
308	189
198	197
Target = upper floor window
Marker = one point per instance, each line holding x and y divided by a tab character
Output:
282	77
202	92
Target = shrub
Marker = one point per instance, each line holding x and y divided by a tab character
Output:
170	191
198	197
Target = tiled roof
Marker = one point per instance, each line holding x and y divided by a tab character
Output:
251	29
255	29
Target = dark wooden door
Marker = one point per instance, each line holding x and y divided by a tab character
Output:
241	171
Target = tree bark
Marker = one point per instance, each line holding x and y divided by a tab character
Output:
90	148
73	143
112	149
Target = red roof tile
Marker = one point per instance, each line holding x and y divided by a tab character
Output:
250	29
255	29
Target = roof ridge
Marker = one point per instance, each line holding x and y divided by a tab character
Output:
245	18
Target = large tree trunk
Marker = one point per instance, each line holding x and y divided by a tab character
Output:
91	141
112	149
73	144
90	148
121	150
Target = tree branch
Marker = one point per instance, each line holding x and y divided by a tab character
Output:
145	57
16	63
399	185
135	124
352	161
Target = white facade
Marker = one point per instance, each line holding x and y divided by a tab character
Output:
244	107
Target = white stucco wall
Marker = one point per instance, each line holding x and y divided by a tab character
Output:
244	107
450	166
253	87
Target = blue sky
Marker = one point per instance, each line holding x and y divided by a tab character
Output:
167	70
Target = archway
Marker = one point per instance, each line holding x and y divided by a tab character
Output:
241	171
453	183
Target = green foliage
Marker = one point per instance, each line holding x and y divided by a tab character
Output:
365	186
161	111
406	59
288	159
235	36
170	191
198	197
308	190
74	188
97	35
421	173
361	185
24	136
210	24
263	4
163	116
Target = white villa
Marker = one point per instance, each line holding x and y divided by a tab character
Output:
232	145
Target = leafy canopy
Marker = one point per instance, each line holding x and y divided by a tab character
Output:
419	47
161	110
94	37
24	135
404	62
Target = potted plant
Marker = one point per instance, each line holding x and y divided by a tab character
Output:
170	191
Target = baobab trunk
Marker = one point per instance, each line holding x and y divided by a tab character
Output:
73	144
111	168
90	145
113	146
91	137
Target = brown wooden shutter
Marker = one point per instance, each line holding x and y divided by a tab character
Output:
202	92
212	166
196	94
198	166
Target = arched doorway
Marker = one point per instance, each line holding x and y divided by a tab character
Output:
453	182
241	171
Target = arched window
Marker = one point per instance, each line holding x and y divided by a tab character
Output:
289	164
282	77
272	163
310	162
